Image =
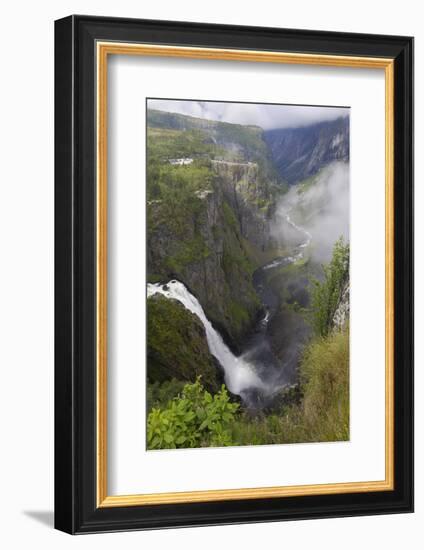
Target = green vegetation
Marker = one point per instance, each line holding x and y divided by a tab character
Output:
177	346
325	381
291	284
194	418
188	252
178	221
326	295
187	136
159	394
207	226
238	268
193	222
249	138
323	412
263	257
175	209
164	144
175	185
318	410
307	183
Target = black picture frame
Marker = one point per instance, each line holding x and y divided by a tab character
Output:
76	509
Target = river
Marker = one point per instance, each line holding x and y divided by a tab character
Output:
257	374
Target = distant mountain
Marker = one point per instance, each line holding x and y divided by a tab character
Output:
299	153
234	142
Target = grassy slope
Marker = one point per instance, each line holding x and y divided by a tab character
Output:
234	142
322	414
318	413
177	346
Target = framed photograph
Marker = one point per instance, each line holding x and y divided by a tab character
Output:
234	274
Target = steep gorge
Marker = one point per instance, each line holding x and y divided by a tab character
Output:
301	152
209	219
226	228
220	234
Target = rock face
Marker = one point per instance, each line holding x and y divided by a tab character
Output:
178	348
237	142
341	315
251	200
299	153
211	252
209	220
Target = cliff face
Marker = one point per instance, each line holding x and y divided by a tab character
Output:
209	216
177	345
252	201
341	315
299	153
214	139
210	251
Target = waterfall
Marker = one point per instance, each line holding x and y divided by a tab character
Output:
239	374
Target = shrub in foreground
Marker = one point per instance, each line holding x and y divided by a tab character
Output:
193	419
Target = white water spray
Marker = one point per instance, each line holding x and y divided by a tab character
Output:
239	374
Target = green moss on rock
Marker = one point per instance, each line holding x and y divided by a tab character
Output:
176	344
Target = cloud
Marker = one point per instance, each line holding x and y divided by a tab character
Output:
264	115
322	210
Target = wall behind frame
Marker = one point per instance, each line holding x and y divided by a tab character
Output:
26	274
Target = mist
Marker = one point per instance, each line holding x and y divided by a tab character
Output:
267	116
322	209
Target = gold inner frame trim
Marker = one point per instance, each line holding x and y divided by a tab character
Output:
103	50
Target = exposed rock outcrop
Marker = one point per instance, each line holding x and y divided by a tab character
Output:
210	251
341	315
301	152
252	201
178	348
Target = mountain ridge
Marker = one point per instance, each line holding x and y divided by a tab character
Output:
301	152
287	155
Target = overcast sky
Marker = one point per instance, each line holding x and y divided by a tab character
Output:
266	116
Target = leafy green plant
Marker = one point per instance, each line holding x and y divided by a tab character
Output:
159	394
194	418
326	295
